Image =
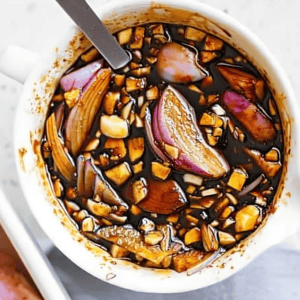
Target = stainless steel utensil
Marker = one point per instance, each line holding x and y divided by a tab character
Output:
82	14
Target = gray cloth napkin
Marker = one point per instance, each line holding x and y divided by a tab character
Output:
273	275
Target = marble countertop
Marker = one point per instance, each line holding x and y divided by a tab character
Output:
276	273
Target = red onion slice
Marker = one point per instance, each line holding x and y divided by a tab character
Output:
79	78
82	115
150	137
177	126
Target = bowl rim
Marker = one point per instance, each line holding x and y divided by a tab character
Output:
91	265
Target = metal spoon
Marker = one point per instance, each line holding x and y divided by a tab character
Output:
82	14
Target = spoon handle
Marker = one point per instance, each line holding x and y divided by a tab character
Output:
82	14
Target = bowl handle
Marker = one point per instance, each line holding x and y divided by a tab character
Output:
17	62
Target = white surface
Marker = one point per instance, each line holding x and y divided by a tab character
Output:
34	259
26	23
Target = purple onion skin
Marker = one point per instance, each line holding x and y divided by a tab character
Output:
178	64
156	132
79	78
195	155
152	140
250	116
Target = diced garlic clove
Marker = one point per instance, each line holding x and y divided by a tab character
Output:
237	179
131	118
227	212
173	218
104	160
232	199
213	44
228	222
193	179
119	174
113	126
126	110
88	224
191	189
259	198
210	192
218	110
119	79
137	168
141	100
139	190
207	120
146	225
194	88
72	97
213	98
151	59
138	38
158	29
71	207
117	147
141	72
212	140
226	239
192	221
81	215
98	208
137	55
118	252
273	155
136	147
209	240
124	36
246	218
160	171
186	260
192	236
58	188
207	56
134	65
135	210
91	55
272	108
194	34
135	84
153	237
143	110
138	122
217	132
117	219
166	262
92	145
110	100
152	93
171	150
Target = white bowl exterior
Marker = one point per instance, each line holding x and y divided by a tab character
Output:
30	120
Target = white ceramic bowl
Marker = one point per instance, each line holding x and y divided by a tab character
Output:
32	110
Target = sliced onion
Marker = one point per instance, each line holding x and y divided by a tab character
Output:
106	193
251	186
177	63
204	262
86	175
150	137
250	116
175	124
79	78
61	159
59	115
82	115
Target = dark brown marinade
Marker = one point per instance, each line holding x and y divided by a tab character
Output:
228	145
